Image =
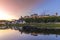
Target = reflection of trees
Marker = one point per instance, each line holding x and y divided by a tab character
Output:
34	31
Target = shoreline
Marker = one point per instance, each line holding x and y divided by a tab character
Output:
38	25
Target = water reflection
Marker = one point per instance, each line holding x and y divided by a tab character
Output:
19	33
32	30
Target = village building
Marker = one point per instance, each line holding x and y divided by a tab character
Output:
19	21
26	16
36	16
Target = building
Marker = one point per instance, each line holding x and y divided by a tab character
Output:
56	14
19	21
26	16
34	16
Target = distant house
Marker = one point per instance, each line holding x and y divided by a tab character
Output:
26	17
20	21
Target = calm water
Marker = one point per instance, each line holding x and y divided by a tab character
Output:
17	34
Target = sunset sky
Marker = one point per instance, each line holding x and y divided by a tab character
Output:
13	9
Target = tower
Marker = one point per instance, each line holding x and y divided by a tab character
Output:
56	14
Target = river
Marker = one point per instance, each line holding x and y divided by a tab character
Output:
17	34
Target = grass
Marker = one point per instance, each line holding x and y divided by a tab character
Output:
44	25
40	25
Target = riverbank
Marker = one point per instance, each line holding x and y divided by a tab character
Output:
39	25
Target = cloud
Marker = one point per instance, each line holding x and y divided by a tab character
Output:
15	6
19	3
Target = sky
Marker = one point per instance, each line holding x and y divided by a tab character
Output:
50	7
13	9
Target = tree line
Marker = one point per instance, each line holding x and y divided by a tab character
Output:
43	19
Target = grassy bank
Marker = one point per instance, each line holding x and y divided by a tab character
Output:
43	25
40	25
46	25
